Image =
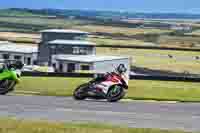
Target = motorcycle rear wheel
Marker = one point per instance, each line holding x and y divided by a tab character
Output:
6	86
115	96
79	92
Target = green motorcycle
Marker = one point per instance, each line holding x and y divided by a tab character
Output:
10	74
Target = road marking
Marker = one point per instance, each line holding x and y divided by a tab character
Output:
27	92
126	100
155	101
169	101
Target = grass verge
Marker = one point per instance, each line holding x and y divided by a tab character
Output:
23	126
138	89
181	61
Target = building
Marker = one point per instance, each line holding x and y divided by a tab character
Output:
181	27
25	53
68	51
56	41
89	63
70	47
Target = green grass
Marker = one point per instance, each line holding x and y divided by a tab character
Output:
84	25
124	30
164	90
153	59
50	86
129	51
178	41
114	41
48	23
25	126
20	40
10	29
138	89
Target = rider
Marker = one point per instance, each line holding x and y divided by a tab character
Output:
18	65
15	65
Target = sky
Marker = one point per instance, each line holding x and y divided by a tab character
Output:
175	6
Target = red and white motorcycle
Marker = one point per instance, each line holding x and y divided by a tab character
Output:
111	86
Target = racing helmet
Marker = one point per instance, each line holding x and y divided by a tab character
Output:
121	69
18	65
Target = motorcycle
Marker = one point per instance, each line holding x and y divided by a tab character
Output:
113	88
9	76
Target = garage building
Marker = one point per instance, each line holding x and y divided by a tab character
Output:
27	54
89	63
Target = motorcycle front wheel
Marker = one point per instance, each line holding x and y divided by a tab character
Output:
6	86
115	93
80	93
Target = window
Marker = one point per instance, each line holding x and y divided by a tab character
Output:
75	50
6	56
17	57
80	50
81	37
85	67
83	50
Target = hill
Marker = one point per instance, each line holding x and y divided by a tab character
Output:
91	14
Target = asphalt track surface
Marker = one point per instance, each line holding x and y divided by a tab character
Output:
183	116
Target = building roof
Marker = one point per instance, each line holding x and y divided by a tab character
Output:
64	31
71	42
87	58
17	48
4	42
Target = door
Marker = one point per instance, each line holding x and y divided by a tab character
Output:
71	67
60	67
28	61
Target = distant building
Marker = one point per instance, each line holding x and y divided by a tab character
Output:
181	27
25	53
